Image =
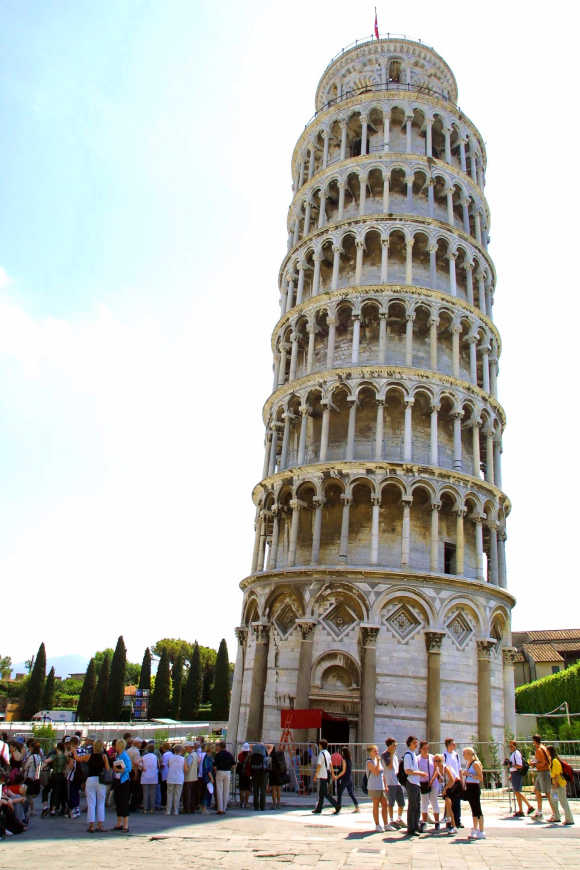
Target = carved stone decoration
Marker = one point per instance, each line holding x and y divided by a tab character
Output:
242	634
285	619
306	627
369	634
459	629
261	631
403	622
486	647
509	654
433	640
339	619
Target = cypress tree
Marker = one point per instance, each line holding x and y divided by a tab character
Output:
192	692
87	695
35	687
117	681
145	676
220	701
48	693
159	707
176	686
102	692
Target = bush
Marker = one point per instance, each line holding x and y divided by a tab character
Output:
46	736
543	696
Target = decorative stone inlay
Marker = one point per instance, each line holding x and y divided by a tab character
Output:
339	619
403	622
285	619
459	629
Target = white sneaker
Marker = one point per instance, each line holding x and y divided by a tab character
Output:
452	831
480	835
390	828
538	815
378	829
472	834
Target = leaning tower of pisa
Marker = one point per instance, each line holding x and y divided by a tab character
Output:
377	590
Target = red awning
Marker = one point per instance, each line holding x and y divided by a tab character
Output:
303	719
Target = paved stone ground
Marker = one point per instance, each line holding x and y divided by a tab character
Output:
291	836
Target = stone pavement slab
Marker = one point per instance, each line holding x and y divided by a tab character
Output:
289	837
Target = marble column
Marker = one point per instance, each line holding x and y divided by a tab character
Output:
382	339
380	429
406	532
408	442
502	568
484	652
295	504
434	560
376	503
368	643
324	431
460	543
316	529
234	718
509	694
259	675
344	527
306	627
433	642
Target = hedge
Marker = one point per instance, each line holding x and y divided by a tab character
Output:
543	696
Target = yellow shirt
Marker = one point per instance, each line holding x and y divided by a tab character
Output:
556	773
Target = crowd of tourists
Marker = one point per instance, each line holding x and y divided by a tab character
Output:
190	777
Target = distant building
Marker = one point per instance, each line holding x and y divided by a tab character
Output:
542	653
80	676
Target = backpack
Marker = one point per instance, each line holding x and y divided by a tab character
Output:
525	766
567	771
402	774
365	784
256	762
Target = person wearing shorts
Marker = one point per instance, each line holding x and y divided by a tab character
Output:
395	794
515	765
543	784
377	789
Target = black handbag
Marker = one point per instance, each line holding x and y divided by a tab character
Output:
426	785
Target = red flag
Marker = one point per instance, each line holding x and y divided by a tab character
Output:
376	24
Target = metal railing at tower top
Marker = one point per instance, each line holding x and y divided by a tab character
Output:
366	39
383	86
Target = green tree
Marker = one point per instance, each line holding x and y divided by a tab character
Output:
145	676
176	686
48	692
192	692
174	647
159	706
99	658
33	697
220	700
87	696
117	681
99	711
5	667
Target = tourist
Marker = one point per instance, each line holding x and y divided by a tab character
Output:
543	784
31	772
57	762
452	789
134	753
74	778
208	780
258	769
175	780
190	779
472	778
559	789
278	775
344	779
395	794
166	754
515	765
96	787
121	785
414	778
377	789
324	774
244	774
15	792
452	760
149	778
223	763
429	787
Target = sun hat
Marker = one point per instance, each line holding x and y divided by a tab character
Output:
245	747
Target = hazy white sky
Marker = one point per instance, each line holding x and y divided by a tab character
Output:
145	164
